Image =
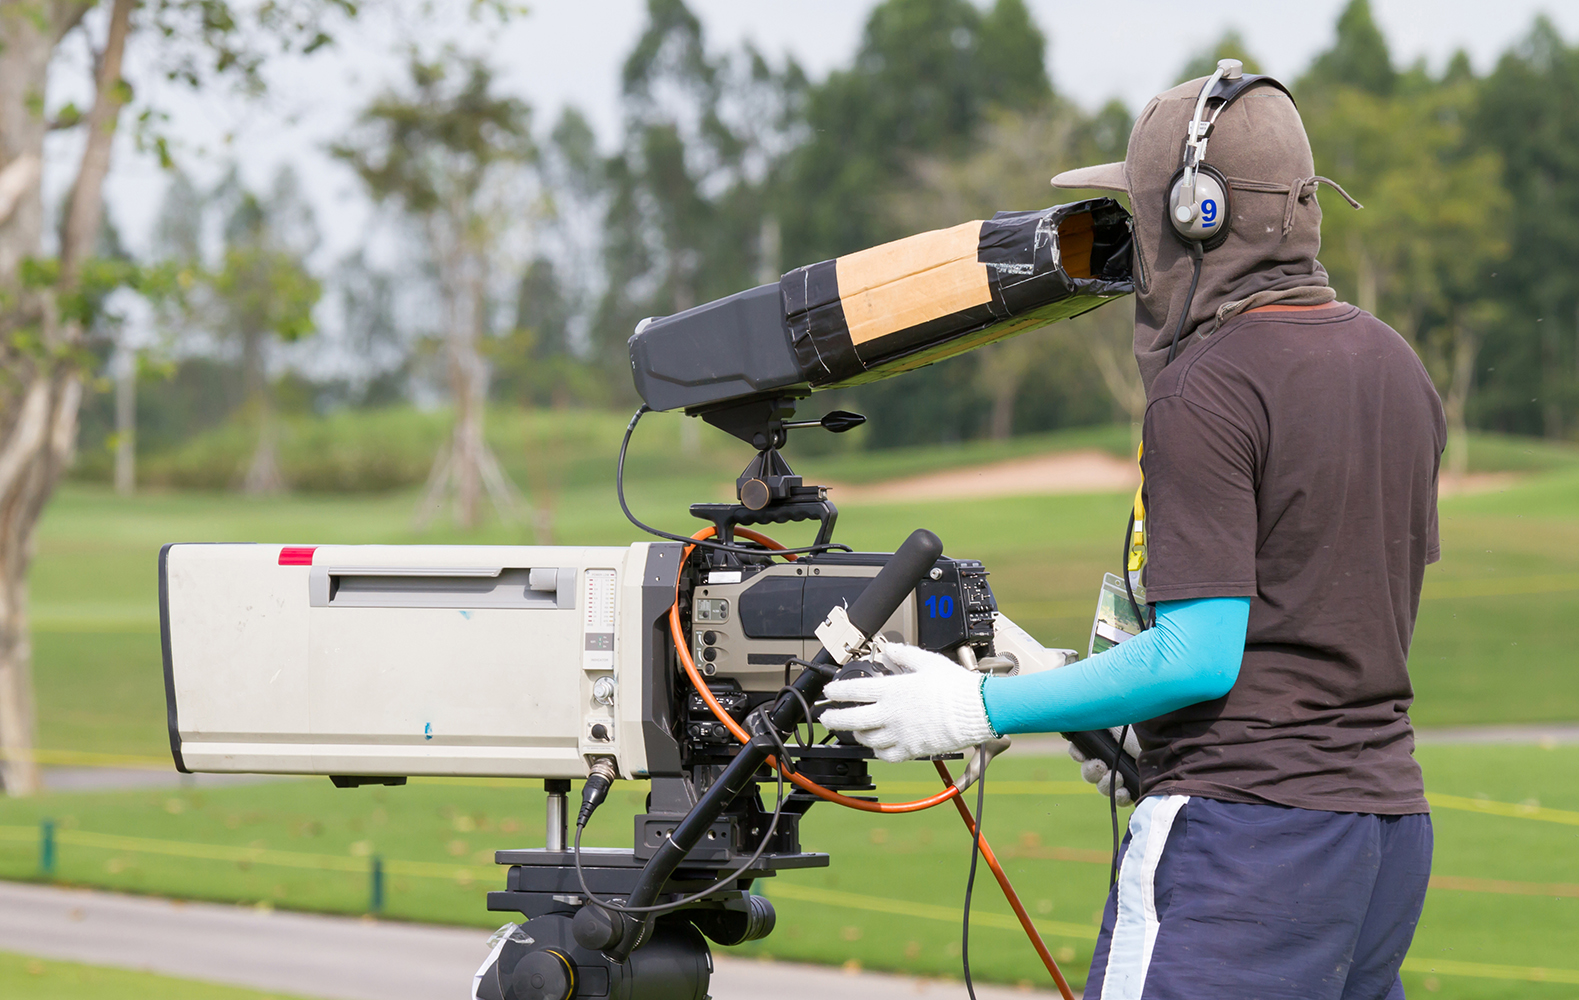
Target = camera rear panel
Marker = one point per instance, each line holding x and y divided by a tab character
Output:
746	624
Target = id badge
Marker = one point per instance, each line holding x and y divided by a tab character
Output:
1115	620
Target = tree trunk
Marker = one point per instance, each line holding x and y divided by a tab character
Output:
125	421
1552	403
465	464
1000	373
263	476
40	396
690	428
79	228
1116	365
769	251
1365	275
1466	346
468	386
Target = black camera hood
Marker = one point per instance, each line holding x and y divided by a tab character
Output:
890	309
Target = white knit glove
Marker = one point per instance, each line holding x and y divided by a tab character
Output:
934	707
1099	774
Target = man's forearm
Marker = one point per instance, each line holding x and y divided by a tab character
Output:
1191	655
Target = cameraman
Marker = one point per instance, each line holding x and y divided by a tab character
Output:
1282	844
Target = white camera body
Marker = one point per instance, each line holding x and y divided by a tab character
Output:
409	660
369	661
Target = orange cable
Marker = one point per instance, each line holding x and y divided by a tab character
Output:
1008	890
686	660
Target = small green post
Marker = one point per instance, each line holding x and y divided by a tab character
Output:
375	903
46	848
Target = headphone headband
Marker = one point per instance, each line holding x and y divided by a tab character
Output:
1227	91
1199	197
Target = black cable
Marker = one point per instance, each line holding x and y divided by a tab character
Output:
970	883
811	733
1114	777
738	549
778	810
1115	780
1123	568
1189	300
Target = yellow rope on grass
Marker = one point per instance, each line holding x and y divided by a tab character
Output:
1510	810
245	855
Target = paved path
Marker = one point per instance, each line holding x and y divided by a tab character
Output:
1545	734
344	958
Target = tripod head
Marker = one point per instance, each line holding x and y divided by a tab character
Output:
768	490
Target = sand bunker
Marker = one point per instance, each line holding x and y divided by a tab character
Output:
1476	482
1087	471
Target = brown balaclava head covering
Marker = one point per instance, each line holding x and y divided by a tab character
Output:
1259	143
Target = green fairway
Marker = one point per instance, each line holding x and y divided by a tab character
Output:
1507	900
24	978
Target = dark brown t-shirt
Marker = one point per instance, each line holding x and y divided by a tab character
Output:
1291	457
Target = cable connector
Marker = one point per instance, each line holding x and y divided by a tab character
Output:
596	789
979	761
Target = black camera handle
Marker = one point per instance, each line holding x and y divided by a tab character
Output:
898	578
1099	744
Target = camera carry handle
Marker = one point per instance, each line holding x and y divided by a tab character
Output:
909	565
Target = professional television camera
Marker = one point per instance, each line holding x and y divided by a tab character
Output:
686	662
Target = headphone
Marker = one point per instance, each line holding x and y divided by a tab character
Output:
1200	199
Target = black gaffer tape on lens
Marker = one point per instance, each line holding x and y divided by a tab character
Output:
890	309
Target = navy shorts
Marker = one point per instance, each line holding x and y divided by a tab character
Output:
1224	901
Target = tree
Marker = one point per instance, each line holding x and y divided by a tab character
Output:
560	288
687	192
451	154
926	77
929	77
1358	58
1007	168
262	292
43	301
1528	115
370	322
1434	228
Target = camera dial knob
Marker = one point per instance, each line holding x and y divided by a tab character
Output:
603	690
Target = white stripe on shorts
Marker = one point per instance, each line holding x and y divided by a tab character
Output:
1135	928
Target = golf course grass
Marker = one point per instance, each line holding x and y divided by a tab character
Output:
1506	900
24	978
1493	645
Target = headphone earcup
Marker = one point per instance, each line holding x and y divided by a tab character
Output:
1214	207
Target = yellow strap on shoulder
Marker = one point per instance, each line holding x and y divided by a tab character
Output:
1137	541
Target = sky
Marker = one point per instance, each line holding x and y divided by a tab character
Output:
569	52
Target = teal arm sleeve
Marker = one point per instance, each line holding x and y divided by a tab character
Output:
1191	654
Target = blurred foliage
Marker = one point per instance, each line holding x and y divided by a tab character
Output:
1358	57
1528	113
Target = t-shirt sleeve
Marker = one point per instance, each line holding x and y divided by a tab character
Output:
1200	503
